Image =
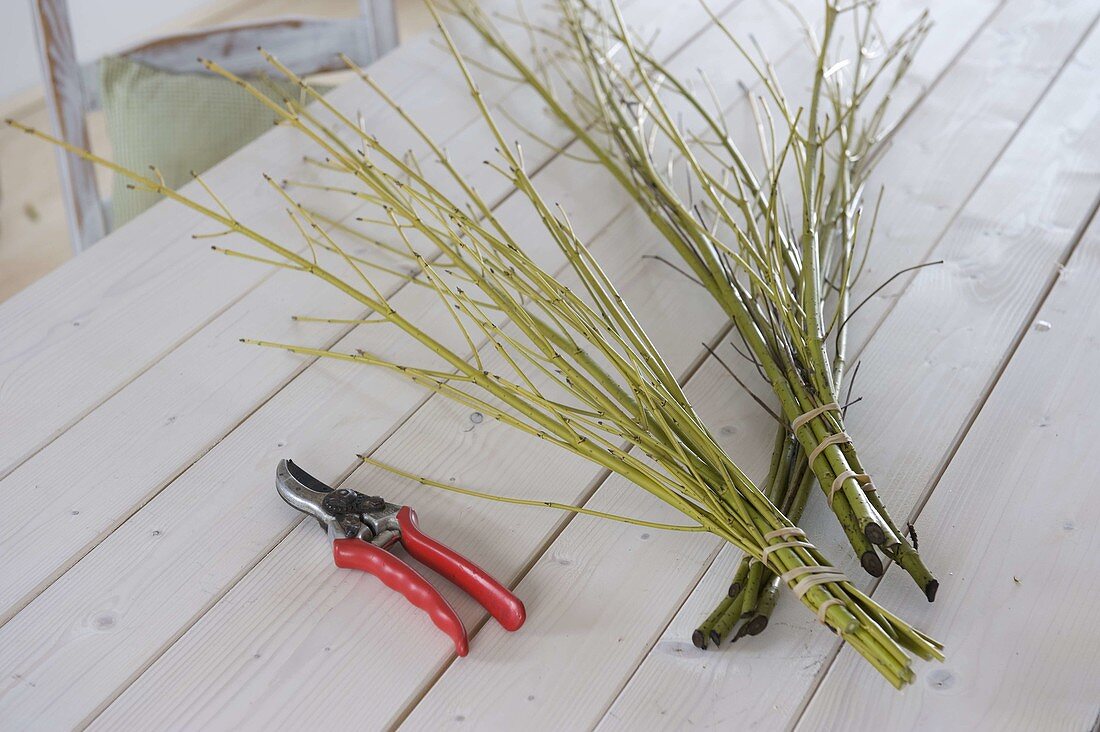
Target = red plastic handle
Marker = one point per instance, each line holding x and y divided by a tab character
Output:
395	574
493	596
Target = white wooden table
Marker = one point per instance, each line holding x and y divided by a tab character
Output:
151	578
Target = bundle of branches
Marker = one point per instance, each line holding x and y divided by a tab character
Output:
571	366
773	243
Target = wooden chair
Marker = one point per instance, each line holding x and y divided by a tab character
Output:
308	45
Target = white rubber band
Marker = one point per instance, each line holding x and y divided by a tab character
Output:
785	545
818	575
802	419
838	439
799	571
793	574
863	479
825	606
839	481
784	532
806	583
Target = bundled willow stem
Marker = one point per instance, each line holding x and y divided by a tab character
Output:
569	365
754	590
781	266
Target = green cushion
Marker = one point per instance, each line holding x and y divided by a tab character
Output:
177	122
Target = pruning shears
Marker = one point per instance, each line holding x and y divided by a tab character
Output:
363	529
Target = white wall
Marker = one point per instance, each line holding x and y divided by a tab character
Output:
100	26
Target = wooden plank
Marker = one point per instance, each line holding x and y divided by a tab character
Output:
1011	525
146	288
561	185
237	623
923	394
110	463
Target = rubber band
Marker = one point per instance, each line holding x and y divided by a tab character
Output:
825	606
784	532
806	583
793	574
802	419
863	479
785	545
819	575
838	482
838	439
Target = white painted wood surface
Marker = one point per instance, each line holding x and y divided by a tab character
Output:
157	583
